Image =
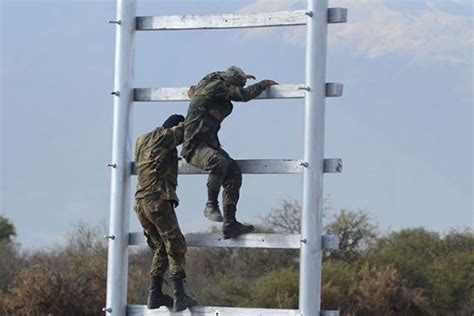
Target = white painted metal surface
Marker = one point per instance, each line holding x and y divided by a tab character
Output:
117	262
249	166
276	241
136	310
263	166
220	21
284	91
311	217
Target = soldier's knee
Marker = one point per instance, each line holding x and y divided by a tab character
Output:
219	165
177	249
235	173
176	244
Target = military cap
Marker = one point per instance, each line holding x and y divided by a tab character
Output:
236	76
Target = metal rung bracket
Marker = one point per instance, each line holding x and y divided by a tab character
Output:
262	166
329	313
337	15
334	89
333	165
331	242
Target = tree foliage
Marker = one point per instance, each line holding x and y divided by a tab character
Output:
7	230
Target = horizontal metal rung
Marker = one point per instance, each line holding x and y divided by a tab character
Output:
220	21
284	91
275	241
233	20
136	310
263	166
251	166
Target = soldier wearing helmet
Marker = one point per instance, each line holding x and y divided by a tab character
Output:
210	105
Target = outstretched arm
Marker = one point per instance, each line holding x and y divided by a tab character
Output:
250	92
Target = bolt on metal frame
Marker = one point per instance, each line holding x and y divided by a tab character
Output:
310	241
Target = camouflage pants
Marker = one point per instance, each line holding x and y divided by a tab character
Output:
223	171
160	224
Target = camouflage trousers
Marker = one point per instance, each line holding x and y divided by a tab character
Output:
164	236
223	171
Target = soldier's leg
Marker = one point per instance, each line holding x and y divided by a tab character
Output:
160	259
232	183
156	297
162	215
164	218
211	160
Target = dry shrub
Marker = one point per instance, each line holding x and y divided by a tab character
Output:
382	292
139	276
70	281
331	297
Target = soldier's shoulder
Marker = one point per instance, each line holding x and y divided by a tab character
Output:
143	137
151	136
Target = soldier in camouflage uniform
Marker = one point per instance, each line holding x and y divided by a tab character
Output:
156	162
210	105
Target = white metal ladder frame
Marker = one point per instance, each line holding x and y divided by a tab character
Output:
311	242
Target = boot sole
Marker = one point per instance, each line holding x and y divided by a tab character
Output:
168	303
214	218
188	306
236	234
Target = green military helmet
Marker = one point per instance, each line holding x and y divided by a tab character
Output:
236	76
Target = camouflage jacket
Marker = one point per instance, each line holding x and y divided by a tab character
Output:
156	163
209	106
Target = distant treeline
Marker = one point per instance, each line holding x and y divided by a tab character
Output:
407	272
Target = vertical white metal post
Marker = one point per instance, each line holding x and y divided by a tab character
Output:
117	269
311	217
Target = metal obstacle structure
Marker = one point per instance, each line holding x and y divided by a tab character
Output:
310	241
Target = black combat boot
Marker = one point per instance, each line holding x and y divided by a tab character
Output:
156	297
181	300
232	228
212	211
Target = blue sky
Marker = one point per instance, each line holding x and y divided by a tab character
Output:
403	127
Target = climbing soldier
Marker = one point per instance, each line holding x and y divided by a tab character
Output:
156	163
210	105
